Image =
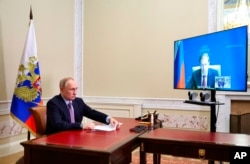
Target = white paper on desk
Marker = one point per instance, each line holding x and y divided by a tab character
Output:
106	127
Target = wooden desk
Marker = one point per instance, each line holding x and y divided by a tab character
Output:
193	144
84	146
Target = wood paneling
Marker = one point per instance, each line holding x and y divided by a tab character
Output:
240	107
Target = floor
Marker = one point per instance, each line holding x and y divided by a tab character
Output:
165	159
12	159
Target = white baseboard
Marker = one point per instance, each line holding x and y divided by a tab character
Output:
11	147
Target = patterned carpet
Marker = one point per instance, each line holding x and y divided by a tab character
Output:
167	159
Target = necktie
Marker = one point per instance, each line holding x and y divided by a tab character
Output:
204	81
71	112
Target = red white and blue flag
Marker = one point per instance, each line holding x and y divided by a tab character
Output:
179	73
28	91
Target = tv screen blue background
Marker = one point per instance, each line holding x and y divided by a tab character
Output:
227	48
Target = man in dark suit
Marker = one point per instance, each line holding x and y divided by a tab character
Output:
204	77
60	117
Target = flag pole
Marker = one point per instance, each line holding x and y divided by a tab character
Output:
31	18
31	14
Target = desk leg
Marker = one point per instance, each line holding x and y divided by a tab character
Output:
142	154
142	157
157	158
212	123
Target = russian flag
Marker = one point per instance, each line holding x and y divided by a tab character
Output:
28	91
179	66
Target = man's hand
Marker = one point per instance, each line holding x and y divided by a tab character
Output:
114	123
89	125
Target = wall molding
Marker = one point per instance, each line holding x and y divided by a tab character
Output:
78	45
157	103
163	103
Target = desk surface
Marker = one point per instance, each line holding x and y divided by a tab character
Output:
198	136
89	139
90	146
192	144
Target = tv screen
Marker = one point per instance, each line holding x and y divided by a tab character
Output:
215	61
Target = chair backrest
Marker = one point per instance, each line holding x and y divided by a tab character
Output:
216	67
39	113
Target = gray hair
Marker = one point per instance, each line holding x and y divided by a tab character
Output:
64	81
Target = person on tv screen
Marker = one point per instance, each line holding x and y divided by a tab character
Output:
204	77
65	111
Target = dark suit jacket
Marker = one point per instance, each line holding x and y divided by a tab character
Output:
58	117
195	81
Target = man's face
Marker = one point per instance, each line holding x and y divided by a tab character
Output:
70	90
204	65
